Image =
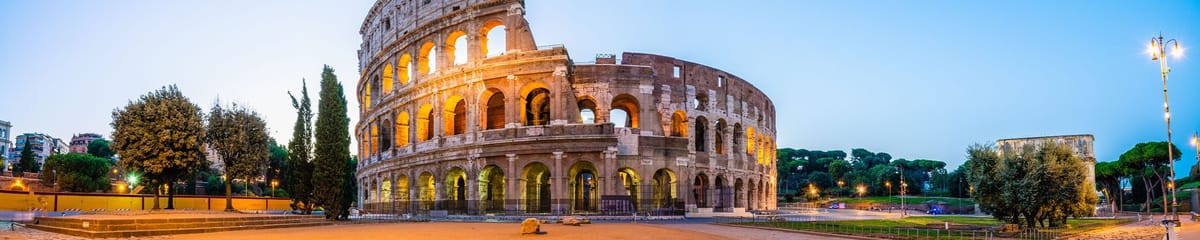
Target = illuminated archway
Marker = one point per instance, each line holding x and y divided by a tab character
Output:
405	69
402	129
537	107
493	39
664	188
630	181
426	191
387	79
679	124
584	187
535	188
425	122
493	117
455	116
629	104
402	194
456	190
456	47
427	60
491	189
587	110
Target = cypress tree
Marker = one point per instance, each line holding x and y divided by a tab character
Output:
27	163
300	154
332	147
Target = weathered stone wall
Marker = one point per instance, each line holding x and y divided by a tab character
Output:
449	131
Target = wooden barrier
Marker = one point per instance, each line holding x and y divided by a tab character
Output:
59	201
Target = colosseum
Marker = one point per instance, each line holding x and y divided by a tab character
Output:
463	113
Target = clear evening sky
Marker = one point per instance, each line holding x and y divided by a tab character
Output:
917	79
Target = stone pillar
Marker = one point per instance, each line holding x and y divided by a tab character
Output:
558	180
512	194
610	170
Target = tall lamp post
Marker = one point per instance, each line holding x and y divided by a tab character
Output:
1158	53
903	185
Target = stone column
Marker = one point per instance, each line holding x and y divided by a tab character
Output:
558	181
511	179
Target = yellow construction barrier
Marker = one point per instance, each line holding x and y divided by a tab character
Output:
56	201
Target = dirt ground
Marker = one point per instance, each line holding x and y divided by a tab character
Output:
460	231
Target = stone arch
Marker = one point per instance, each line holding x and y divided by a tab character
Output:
629	183
387	79
587	110
493	30
719	138
738	190
535	188
721	200
374	138
402	193
456	47
679	124
491	188
426	190
386	136
629	104
493	109
749	140
701	134
385	190
456	190
404	68
402	129
455	116
737	135
366	96
584	187
665	187
425	122
427	59
700	190
536	106
750	191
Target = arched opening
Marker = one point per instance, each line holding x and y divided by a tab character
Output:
679	124
585	194
377	89
385	191
427	60
494	110
494	39
491	189
749	140
364	145
387	79
630	105
385	141
719	140
737	134
455	116
456	46
629	183
374	138
535	188
701	134
402	194
758	152
701	102
537	107
366	96
619	118
750	190
738	191
456	191
405	69
700	190
664	189
721	200
587	110
425	122
426	194
402	129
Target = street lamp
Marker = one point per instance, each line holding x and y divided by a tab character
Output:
889	187
1158	52
840	183
861	190
903	185
274	183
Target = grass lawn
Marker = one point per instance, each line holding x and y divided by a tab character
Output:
898	227
896	200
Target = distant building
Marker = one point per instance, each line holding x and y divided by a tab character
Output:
1081	144
79	143
42	145
5	144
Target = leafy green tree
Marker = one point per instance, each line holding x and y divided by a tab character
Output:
331	148
100	148
76	172
27	163
300	166
1108	177
1147	160
1037	184
239	136
822	180
277	167
838	168
159	136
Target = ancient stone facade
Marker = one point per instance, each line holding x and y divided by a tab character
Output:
1081	144
521	128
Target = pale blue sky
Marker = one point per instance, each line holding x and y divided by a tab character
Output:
917	79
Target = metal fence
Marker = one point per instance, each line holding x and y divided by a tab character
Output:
822	224
608	205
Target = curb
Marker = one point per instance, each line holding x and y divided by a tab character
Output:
825	234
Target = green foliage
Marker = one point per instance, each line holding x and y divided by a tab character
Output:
300	166
1145	166
159	135
349	196
239	136
100	148
76	172
277	166
1037	184
216	186
822	180
27	163
838	168
331	148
